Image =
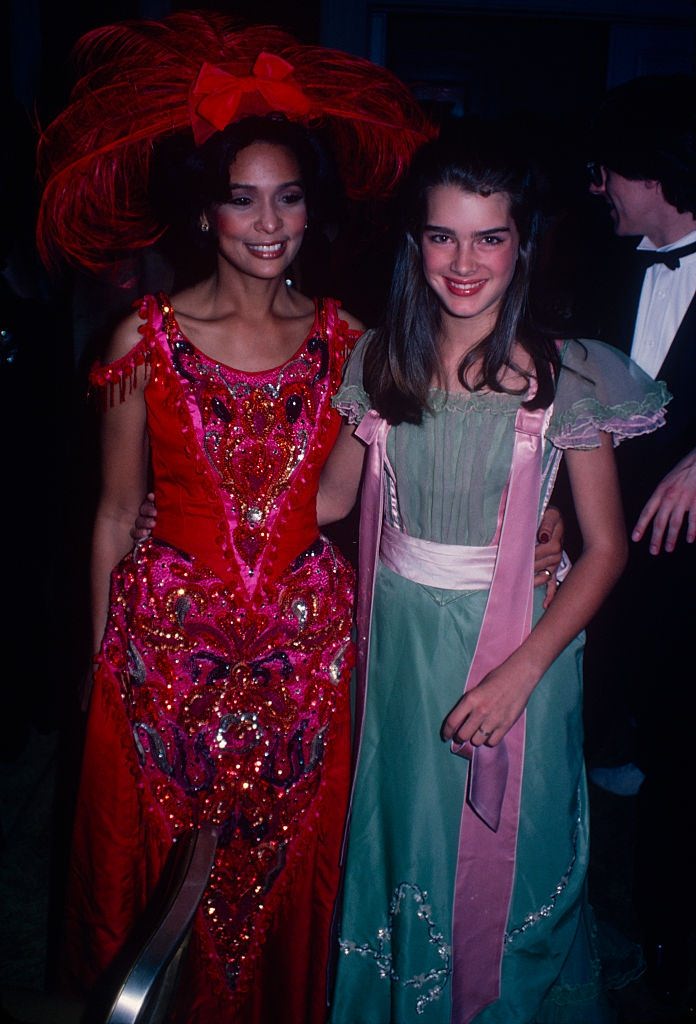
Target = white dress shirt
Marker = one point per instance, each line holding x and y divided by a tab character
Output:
664	300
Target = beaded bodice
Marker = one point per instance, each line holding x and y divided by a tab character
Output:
240	492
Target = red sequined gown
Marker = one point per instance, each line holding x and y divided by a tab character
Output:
221	688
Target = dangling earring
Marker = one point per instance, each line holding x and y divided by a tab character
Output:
205	226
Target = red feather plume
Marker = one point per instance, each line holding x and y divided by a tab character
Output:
134	89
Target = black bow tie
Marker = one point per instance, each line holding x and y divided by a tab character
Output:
648	257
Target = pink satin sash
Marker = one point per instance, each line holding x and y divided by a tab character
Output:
450	566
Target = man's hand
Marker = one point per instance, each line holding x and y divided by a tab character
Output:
672	502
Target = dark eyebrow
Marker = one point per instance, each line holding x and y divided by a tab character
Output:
493	231
478	234
253	188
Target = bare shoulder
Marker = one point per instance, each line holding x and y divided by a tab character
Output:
192	301
124	337
353	322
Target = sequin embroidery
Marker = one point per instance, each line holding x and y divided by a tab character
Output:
437	976
231	692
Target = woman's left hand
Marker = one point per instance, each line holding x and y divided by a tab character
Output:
486	713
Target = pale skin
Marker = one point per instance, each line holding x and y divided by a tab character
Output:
640	208
244	315
671	505
469	251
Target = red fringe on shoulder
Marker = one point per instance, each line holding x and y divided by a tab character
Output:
105	378
123	374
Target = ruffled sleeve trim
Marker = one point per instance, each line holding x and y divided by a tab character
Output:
351	399
601	390
352	403
122	375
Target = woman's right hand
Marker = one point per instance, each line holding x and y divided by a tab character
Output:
146	518
548	552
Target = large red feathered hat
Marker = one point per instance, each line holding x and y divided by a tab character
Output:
196	72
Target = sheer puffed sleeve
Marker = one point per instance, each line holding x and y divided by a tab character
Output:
601	390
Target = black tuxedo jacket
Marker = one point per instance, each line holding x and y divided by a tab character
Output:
640	641
644	461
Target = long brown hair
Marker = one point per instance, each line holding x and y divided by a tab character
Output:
402	356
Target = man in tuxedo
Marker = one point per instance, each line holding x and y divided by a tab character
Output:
640	658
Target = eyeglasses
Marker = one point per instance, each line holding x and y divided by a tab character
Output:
596	173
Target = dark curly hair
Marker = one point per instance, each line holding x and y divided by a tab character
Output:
187	179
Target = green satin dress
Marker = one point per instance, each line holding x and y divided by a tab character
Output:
395	927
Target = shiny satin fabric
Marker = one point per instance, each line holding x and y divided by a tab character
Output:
486	861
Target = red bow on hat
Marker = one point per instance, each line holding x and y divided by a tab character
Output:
217	96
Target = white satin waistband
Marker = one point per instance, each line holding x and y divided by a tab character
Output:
450	566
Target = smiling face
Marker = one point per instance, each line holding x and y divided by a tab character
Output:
469	248
261	226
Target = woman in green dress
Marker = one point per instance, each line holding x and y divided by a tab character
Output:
464	891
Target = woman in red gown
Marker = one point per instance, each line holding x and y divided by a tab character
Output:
223	647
